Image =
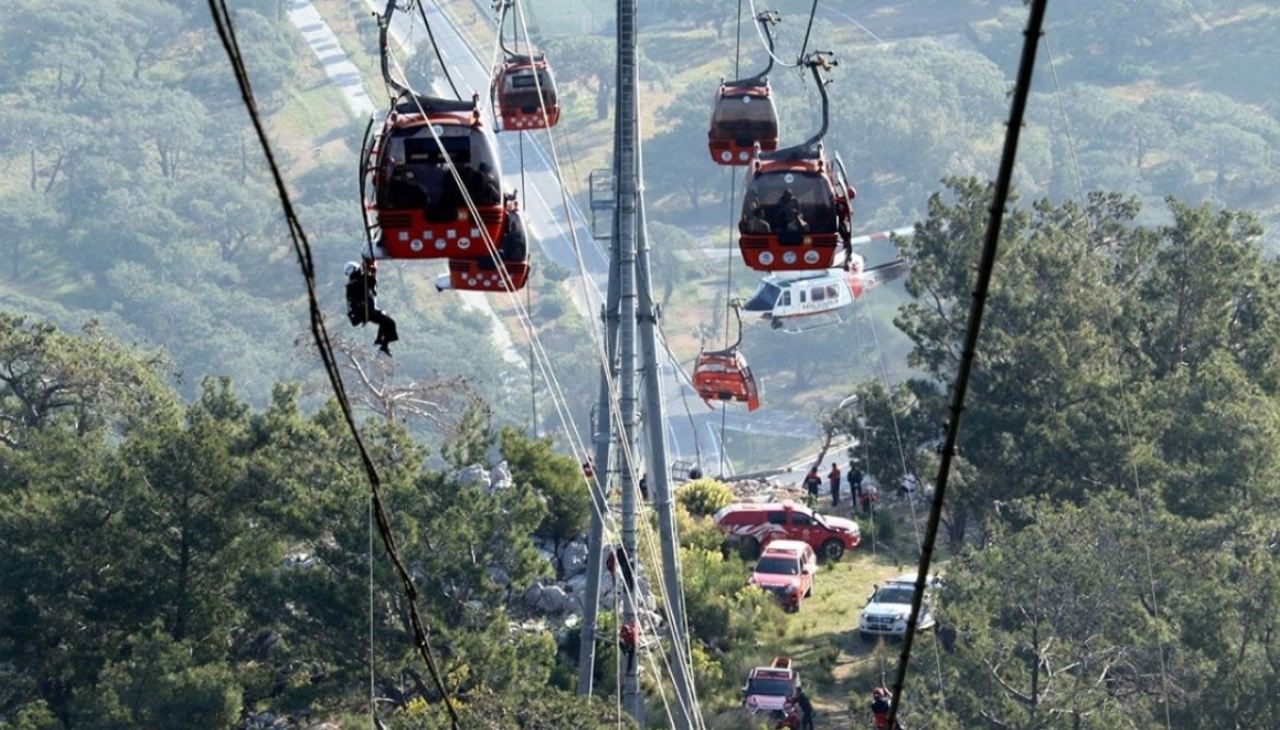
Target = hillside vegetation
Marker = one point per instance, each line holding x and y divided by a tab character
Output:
185	535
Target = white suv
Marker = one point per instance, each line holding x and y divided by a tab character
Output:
886	611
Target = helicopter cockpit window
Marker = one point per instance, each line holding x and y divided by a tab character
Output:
765	297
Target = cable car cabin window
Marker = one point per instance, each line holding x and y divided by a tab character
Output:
744	117
520	91
788	202
419	178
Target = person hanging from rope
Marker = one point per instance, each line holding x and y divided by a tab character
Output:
833	477
812	483
362	302
880	710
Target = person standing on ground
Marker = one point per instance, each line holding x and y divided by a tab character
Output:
812	484
833	477
855	484
806	709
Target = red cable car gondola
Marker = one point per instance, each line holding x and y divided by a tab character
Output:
798	203
725	375
516	95
523	85
745	115
414	207
487	275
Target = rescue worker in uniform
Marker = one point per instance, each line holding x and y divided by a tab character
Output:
362	302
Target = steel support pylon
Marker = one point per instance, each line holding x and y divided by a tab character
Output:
630	310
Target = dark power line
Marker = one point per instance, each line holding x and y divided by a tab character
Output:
1031	42
302	248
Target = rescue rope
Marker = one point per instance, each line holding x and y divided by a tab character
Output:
302	249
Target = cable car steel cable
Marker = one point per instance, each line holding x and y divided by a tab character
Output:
302	249
986	265
745	116
769	45
444	68
518	75
798	203
565	417
412	202
1125	416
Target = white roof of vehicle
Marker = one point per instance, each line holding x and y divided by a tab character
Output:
786	546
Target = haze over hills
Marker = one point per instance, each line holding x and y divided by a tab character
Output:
183	528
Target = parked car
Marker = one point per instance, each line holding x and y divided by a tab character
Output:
889	605
786	569
752	526
770	689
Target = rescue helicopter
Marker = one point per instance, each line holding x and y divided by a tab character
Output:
745	116
799	301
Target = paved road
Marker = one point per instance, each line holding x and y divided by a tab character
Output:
693	429
689	439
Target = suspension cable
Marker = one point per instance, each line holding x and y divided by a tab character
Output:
444	67
1126	417
526	322
768	47
302	249
907	478
987	263
543	361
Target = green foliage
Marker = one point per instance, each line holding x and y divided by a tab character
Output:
547	709
160	685
473	438
536	468
882	527
704	496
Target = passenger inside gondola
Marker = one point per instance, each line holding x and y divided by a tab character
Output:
788	205
418	176
515	246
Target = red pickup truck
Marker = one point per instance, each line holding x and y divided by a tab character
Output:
752	526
